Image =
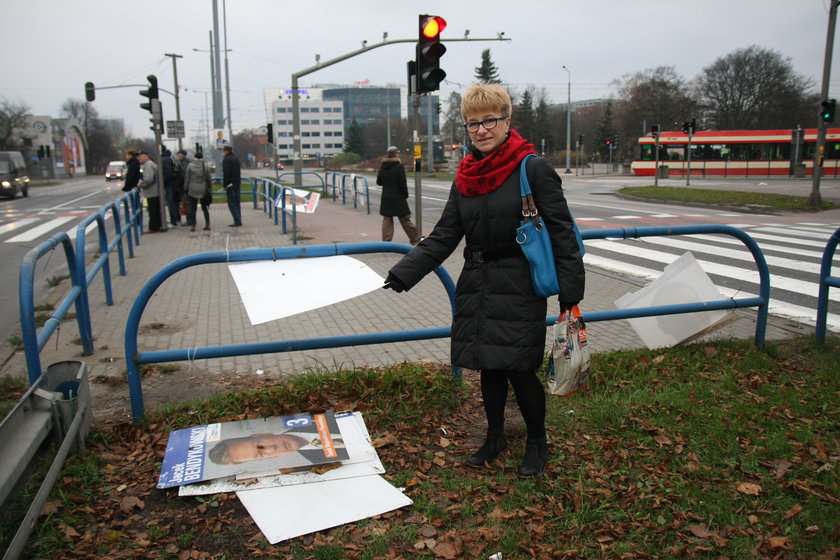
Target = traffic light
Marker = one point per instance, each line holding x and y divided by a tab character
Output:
828	110
580	140
685	127
151	93
429	51
269	133
90	91
654	131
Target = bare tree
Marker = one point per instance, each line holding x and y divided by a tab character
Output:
755	87
654	96
14	122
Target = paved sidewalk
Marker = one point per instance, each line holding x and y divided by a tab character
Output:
200	307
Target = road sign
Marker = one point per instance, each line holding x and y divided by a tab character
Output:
174	129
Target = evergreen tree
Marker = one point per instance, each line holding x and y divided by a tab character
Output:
355	143
487	72
524	121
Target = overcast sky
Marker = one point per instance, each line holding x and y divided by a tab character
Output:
52	47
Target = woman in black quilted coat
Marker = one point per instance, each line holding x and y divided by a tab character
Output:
394	200
499	324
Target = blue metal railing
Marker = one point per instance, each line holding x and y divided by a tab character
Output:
762	301
354	180
135	358
34	341
826	280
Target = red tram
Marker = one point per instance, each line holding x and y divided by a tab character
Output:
739	153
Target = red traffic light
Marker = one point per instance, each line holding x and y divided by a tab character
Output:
431	26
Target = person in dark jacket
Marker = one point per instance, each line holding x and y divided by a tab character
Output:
170	182
132	171
231	178
391	177
499	323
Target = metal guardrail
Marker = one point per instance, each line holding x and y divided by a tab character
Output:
332	178
135	358
55	408
34	340
762	301
826	281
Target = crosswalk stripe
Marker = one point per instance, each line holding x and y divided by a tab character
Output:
36	232
742	255
765	247
777	307
17	224
742	274
822	237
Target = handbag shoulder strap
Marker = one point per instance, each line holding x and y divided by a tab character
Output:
529	207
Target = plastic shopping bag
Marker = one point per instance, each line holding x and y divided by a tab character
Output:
568	369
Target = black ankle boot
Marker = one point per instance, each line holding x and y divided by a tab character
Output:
494	444
536	456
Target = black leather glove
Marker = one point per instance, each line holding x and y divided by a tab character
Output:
393	283
566	306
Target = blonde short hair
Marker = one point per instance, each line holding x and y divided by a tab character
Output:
486	98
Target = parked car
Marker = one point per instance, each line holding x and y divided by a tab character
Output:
280	166
115	171
13	175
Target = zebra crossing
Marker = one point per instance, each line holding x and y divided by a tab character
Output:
793	252
32	229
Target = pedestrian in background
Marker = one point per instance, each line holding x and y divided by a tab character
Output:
171	169
499	323
180	194
394	199
132	171
197	183
149	188
231	179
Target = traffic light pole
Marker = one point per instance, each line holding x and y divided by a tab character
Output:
415	137
814	199
297	156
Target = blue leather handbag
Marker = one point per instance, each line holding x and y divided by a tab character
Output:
535	242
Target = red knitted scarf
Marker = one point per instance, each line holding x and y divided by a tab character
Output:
481	176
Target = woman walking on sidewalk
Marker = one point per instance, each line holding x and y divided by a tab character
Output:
391	177
198	187
499	324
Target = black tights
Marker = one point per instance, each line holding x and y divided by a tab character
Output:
530	396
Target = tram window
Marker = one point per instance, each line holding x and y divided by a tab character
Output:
832	150
647	152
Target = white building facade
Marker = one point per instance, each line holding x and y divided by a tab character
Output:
321	124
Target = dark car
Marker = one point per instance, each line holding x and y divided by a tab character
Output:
280	166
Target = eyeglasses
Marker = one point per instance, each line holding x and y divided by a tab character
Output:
488	124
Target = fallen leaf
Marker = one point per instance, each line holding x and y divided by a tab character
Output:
700	531
387	439
444	442
778	542
130	502
780	467
748	488
50	507
662	440
445	550
792	512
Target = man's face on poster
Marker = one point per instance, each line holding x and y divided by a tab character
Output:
262	446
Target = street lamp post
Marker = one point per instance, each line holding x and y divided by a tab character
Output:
568	121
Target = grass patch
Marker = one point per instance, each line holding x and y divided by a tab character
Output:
54	281
755	200
704	451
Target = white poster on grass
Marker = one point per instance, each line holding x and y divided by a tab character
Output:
275	289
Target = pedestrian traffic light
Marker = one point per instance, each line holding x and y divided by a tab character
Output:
654	130
828	110
429	51
90	91
269	133
151	92
685	127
